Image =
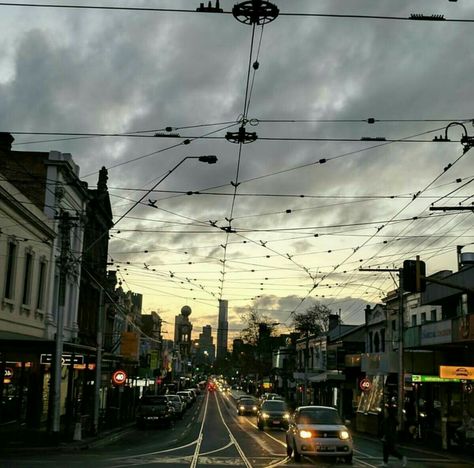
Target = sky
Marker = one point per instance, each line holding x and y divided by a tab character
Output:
285	221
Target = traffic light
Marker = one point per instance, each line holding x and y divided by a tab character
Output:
414	273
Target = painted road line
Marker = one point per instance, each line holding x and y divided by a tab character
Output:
217	450
234	440
281	462
194	461
358	460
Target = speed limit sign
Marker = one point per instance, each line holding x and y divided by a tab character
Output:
365	385
119	377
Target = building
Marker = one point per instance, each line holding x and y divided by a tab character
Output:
222	329
50	181
182	341
206	349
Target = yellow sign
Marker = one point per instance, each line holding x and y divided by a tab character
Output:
129	345
456	372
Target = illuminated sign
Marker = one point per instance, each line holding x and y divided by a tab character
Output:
456	372
119	377
431	378
7	376
65	360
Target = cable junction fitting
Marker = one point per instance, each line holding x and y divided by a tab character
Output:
242	136
255	12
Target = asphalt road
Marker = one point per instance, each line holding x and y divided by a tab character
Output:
212	434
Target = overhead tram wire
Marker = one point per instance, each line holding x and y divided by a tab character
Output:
412	18
382	227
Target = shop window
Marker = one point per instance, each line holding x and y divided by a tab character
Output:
41	285
25	300
10	269
377	343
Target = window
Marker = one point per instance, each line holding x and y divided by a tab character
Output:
413	320
423	317
394	325
433	315
371	337
382	339
10	273
41	283
25	300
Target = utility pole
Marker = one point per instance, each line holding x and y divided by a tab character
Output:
98	362
64	264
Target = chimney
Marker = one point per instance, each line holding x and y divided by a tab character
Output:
334	321
6	141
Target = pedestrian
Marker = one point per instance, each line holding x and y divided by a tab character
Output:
389	437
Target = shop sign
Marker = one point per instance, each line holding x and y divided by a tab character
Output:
66	359
456	372
436	333
119	377
416	378
129	345
365	385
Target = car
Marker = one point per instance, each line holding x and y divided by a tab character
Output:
186	396
247	406
178	404
154	409
273	413
318	431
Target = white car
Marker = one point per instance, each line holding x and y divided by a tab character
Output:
318	431
178	404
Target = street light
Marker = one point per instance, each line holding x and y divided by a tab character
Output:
209	159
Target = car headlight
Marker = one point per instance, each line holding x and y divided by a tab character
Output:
286	415
265	415
242	408
254	408
344	435
305	434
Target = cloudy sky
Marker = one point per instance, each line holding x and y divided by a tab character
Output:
285	220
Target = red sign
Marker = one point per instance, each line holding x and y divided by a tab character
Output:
159	380
365	385
119	377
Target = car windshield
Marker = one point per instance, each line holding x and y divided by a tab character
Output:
318	416
154	400
274	405
174	397
247	402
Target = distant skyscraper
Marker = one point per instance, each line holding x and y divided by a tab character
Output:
222	329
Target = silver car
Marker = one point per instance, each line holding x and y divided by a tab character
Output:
178	404
318	431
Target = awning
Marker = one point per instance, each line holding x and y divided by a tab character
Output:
323	377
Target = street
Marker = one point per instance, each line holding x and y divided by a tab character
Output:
211	433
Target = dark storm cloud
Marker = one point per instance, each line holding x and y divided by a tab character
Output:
98	71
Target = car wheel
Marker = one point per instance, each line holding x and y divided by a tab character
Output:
296	454
348	459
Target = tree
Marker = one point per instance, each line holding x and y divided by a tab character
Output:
256	323
314	321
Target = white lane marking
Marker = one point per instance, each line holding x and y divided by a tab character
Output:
201	435
365	454
281	462
217	450
233	439
166	450
268	435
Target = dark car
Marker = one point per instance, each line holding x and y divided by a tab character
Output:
247	406
273	413
154	409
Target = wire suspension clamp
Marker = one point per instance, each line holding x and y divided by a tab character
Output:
255	12
242	136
